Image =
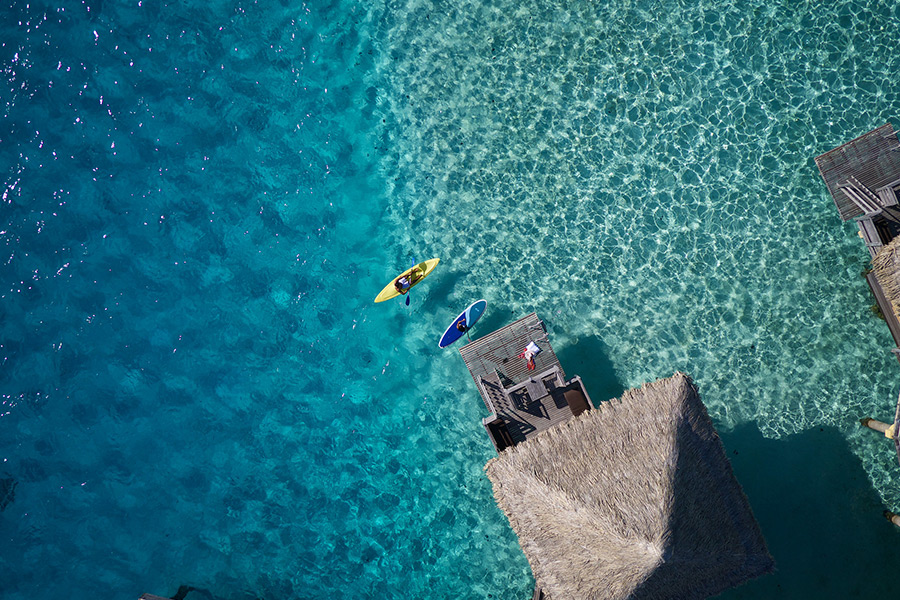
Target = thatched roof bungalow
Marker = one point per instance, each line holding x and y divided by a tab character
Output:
635	499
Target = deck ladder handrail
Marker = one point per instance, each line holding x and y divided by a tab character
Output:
487	398
860	197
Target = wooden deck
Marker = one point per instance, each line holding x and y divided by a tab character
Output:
521	402
863	175
497	353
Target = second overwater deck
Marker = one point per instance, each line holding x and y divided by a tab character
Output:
863	177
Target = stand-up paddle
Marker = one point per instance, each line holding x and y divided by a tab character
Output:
462	323
413	276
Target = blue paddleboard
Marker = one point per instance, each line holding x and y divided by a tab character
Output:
466	318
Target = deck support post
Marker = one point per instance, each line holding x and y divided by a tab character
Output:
885	428
892	517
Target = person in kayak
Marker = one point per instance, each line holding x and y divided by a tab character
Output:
407	280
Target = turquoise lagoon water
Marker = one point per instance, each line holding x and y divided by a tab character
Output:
201	200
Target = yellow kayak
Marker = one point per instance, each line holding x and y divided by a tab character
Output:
413	276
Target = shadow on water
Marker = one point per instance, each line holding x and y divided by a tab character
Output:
589	358
821	518
442	287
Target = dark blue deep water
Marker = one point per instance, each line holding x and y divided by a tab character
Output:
199	202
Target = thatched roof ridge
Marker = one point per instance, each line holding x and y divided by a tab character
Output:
633	500
886	265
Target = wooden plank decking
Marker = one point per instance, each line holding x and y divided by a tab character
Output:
498	352
862	174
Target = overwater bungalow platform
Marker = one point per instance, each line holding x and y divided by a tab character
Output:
863	177
634	500
522	402
559	480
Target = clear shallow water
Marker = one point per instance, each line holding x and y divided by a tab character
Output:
201	201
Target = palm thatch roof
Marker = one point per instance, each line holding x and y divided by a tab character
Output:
633	500
886	266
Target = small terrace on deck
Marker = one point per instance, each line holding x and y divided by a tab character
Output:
522	402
